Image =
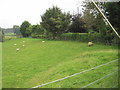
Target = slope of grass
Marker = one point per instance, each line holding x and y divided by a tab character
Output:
38	63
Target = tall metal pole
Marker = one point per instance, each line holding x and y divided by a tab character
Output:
105	19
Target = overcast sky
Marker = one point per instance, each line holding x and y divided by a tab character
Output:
14	12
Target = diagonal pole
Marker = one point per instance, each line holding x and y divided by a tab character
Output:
73	74
105	18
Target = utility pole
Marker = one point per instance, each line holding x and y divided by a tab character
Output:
105	18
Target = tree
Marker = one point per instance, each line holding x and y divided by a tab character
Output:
24	27
34	30
29	30
93	19
89	20
38	29
54	21
112	10
77	25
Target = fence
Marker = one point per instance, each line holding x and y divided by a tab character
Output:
78	74
99	79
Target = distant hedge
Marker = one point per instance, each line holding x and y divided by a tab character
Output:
84	37
38	36
75	36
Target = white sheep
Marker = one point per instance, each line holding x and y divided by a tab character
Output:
23	41
23	45
90	43
17	49
43	41
15	44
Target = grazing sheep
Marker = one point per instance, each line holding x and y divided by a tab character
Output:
90	43
15	44
17	49
23	41
43	41
23	45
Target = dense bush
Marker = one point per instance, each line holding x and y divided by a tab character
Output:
74	36
38	36
86	37
83	37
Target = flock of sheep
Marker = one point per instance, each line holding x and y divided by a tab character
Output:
17	49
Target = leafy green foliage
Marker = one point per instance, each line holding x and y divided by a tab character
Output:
23	28
113	13
38	29
54	21
35	30
92	36
29	30
89	20
94	22
77	24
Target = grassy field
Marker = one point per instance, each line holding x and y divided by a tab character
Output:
0	65
38	63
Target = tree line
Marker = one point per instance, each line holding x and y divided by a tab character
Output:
55	22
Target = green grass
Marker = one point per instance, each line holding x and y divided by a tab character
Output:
0	65
38	63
